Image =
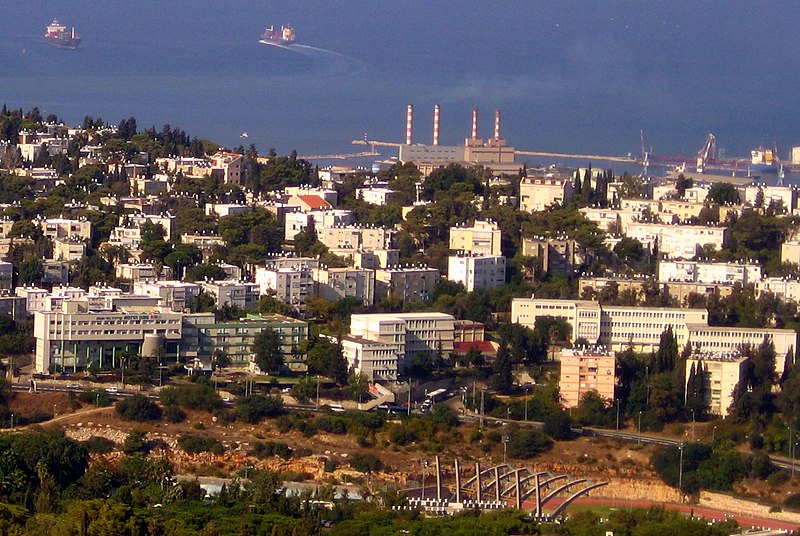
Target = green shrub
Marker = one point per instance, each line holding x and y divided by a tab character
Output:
524	444
330	424
268	449
366	462
99	445
558	425
253	408
194	444
135	442
97	397
792	501
198	396
174	414
138	408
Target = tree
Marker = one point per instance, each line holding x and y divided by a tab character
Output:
138	408
527	443
503	379
723	193
359	385
268	351
594	410
325	358
254	408
558	425
307	238
682	184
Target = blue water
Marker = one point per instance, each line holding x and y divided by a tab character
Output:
569	77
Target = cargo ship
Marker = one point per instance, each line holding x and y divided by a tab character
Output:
762	159
283	37
58	36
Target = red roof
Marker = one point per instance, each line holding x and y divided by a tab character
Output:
485	347
314	202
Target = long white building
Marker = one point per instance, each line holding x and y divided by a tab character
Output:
618	327
477	271
709	272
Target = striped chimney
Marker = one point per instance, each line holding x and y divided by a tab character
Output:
497	124
409	124
474	123
436	124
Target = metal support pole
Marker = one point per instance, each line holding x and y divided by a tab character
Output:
538	495
458	481
497	483
483	391
680	472
478	481
519	489
438	480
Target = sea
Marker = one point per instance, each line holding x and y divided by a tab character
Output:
570	77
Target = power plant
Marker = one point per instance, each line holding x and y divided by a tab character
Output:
494	153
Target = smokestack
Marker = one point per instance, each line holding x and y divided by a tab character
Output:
474	123
409	124
497	124
436	124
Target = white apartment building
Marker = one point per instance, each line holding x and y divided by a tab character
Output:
338	283
540	193
677	241
617	327
376	360
329	195
709	272
186	165
356	237
405	334
35	298
682	210
779	195
482	237
370	259
724	371
610	219
407	284
294	222
784	288
64	227
291	285
175	295
68	249
586	370
233	293
228	166
790	251
221	210
141	272
477	271
376	196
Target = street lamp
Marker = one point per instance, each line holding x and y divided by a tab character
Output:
505	448
317	391
526	403
639	429
680	471
618	414
97	399
508	413
424	464
791	453
713	434
692	424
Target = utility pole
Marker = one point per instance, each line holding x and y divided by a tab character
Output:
483	391
317	391
618	415
680	471
526	404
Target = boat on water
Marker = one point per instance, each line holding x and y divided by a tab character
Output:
284	37
762	159
58	36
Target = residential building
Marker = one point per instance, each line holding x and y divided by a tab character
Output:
35	298
540	193
70	249
289	284
374	359
64	227
482	237
618	327
356	237
677	241
405	334
141	272
559	255
723	372
294	222
407	284
221	210
790	251
370	259
338	283
468	331
787	289
476	271
585	370
13	306
709	272
175	295
6	275
376	196
233	293
228	166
